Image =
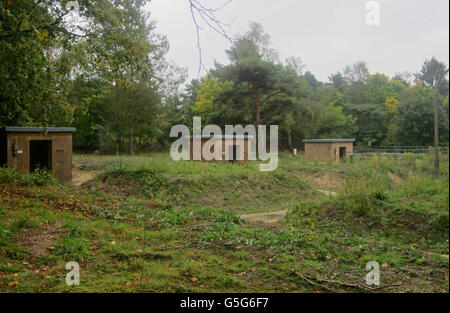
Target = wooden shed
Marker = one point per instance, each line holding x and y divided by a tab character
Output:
236	147
328	149
29	148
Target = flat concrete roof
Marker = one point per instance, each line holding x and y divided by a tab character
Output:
328	140
39	129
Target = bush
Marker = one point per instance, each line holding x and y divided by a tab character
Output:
38	178
41	178
364	191
424	185
8	175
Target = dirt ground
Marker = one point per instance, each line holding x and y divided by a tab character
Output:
39	242
270	219
81	176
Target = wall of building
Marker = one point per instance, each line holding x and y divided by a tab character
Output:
318	151
337	146
3	145
61	152
242	143
326	151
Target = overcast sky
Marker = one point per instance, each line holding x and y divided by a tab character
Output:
326	34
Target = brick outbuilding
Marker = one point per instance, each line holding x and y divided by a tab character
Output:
328	149
29	148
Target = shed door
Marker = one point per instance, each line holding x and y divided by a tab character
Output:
233	153
40	155
342	153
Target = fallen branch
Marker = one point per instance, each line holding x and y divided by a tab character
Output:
313	283
317	282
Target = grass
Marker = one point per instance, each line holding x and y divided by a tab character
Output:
150	224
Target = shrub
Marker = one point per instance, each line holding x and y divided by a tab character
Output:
364	191
38	178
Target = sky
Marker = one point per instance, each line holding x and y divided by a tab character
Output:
326	34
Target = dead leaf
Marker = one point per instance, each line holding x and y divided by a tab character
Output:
12	284
194	279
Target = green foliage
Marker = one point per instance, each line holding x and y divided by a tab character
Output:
71	248
414	124
24	222
364	191
109	78
39	177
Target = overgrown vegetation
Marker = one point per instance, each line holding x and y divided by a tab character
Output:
166	234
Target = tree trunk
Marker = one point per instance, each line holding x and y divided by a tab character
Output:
258	104
436	134
131	112
131	130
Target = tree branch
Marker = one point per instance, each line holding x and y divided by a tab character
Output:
210	19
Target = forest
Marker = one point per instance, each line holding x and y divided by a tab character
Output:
104	70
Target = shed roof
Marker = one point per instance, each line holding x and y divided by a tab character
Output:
39	129
328	140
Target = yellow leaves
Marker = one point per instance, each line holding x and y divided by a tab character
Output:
42	34
391	105
207	93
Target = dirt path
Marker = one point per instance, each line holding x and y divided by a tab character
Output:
328	193
264	219
80	176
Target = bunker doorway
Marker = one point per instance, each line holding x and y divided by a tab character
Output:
342	153
40	155
233	153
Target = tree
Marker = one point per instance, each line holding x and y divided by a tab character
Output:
312	81
207	92
357	73
296	64
130	52
432	74
249	67
338	81
414	118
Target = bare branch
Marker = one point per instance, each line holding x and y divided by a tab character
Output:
199	12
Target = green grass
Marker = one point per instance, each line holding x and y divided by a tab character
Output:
154	225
